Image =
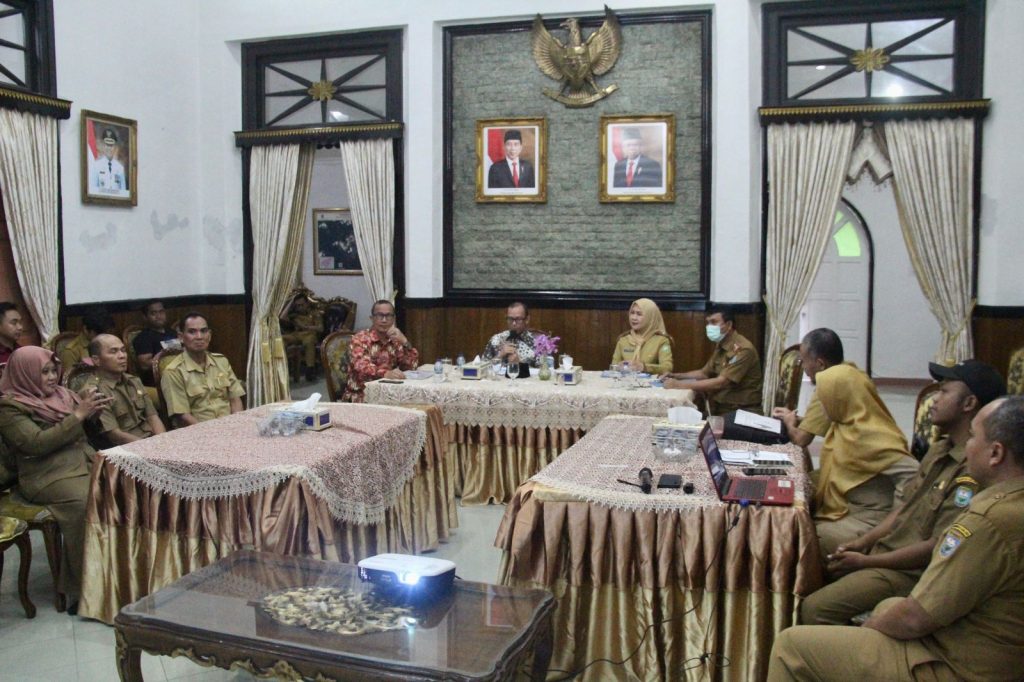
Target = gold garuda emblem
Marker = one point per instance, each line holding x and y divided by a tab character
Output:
576	63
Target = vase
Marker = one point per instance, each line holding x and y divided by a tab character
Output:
543	368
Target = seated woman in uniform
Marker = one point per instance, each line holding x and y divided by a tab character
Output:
864	460
41	423
646	346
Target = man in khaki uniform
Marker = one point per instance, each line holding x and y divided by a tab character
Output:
820	349
306	325
888	559
731	379
130	416
963	619
199	385
77	350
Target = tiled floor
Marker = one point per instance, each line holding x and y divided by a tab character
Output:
54	647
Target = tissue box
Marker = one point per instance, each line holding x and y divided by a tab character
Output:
474	370
689	434
316	419
572	376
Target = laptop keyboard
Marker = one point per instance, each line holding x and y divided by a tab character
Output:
749	488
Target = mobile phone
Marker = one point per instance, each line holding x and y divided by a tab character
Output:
764	471
670	481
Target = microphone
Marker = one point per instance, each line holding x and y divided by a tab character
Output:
646	480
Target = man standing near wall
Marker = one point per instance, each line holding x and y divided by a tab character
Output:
10	330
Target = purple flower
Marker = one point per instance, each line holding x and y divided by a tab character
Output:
545	345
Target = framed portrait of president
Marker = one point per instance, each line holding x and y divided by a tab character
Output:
638	158
511	160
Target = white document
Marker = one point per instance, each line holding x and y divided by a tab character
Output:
756	421
763	458
737	457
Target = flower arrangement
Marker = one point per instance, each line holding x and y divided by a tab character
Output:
546	345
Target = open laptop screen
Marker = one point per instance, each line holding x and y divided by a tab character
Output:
717	467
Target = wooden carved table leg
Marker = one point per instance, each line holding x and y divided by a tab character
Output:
542	653
25	548
129	665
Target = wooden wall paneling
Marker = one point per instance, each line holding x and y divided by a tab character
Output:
997	336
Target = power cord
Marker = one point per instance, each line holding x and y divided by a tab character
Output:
700	659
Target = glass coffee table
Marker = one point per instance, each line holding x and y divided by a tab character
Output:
217	616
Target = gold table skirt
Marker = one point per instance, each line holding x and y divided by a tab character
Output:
619	573
138	539
493	461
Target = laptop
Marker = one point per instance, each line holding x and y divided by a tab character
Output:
764	490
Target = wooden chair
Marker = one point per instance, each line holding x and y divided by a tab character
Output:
162	360
1015	373
77	376
335	357
925	433
37	518
58	342
127	337
339	314
787	392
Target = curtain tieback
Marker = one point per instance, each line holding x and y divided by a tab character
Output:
968	314
773	321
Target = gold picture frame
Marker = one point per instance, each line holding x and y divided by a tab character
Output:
501	181
335	251
109	159
649	142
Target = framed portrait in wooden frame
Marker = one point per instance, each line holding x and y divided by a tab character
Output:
109	160
638	158
335	251
511	160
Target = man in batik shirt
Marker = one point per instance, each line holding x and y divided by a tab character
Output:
380	352
516	343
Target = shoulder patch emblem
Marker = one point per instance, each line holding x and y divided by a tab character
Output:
962	496
950	543
965	479
960	530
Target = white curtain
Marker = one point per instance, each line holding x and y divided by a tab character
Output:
279	178
933	178
28	180
807	163
370	172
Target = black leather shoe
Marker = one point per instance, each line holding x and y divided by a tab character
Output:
73	608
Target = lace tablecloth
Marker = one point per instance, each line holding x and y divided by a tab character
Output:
530	402
619	446
357	467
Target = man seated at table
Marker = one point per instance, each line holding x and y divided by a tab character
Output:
887	560
515	344
130	416
199	385
10	330
77	350
731	378
380	352
820	349
302	324
150	341
963	619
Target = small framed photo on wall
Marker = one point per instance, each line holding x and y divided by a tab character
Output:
334	243
511	160
109	160
638	158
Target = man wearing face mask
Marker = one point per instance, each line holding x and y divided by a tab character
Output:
820	349
731	378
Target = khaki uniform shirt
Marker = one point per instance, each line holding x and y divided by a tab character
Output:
656	353
936	496
974	587
736	359
204	391
74	352
45	452
815	420
131	409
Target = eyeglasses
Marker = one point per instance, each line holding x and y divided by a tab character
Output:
515	319
382	316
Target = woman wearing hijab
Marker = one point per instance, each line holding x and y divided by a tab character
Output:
646	346
42	424
864	460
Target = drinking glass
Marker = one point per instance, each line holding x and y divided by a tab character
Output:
512	371
496	368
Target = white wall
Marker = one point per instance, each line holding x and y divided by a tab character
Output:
328	190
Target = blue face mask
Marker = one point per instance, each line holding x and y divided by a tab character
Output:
714	333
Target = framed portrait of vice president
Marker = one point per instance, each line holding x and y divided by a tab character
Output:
511	160
638	158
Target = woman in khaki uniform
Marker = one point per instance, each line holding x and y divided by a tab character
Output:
41	423
647	346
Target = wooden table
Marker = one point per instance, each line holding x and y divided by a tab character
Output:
149	520
709	584
500	433
214	617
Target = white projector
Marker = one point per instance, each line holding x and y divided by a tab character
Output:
408	578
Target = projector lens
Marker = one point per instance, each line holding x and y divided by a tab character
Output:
409	578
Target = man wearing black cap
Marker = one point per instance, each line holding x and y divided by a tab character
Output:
635	169
888	560
512	172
